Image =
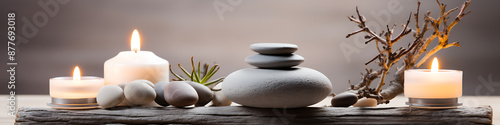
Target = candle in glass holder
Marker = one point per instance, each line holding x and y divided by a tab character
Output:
75	92
433	88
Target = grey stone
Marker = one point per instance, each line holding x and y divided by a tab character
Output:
276	88
274	48
160	89
274	61
110	96
180	94
204	93
344	100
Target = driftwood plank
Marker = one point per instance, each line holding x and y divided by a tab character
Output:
247	115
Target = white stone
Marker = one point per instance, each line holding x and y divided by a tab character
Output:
274	61
139	92
110	96
125	102
144	81
274	48
219	98
276	88
366	102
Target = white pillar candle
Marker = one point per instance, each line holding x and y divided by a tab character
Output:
75	87
135	64
433	84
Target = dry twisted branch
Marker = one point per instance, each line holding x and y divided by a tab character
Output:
387	57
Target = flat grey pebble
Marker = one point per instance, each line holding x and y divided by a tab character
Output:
274	48
274	61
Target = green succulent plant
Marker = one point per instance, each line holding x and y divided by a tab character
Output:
198	74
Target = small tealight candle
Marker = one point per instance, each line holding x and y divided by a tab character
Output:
434	88
75	92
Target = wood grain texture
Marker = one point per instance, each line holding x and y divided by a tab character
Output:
247	115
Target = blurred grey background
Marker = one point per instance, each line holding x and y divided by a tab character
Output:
88	32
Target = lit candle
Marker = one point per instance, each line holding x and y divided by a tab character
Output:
135	64
76	91
434	88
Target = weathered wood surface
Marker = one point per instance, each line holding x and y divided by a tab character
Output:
247	115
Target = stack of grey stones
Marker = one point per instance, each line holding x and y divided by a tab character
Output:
274	55
277	82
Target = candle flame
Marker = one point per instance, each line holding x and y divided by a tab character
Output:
135	42
76	73
435	65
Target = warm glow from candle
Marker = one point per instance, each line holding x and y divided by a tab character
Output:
76	73
135	42
435	65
